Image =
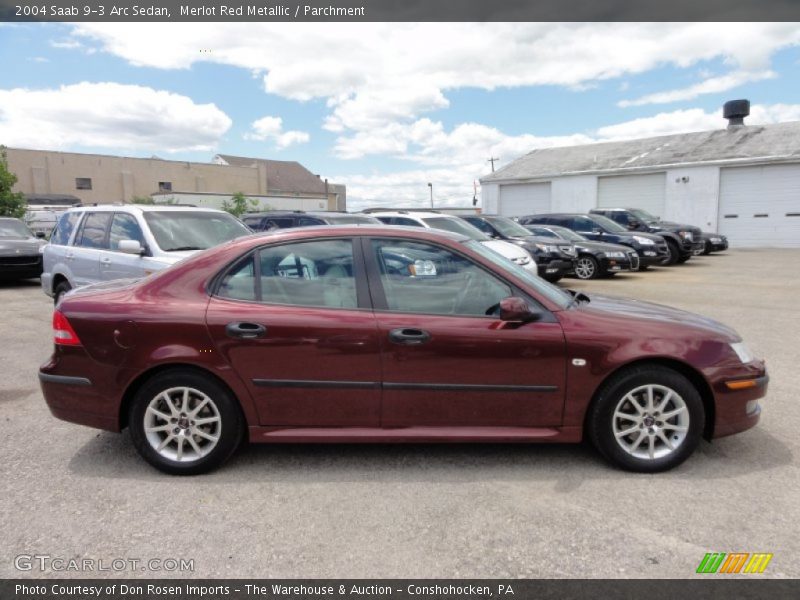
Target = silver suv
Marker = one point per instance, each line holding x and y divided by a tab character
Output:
91	244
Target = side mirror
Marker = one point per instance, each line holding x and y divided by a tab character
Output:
597	231
516	310
41	235
131	247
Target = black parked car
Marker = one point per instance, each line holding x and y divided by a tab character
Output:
713	242
20	256
682	240
554	258
595	259
267	221
651	248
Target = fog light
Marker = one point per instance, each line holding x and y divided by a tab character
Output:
752	407
649	253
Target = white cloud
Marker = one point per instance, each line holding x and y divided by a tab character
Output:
375	74
108	115
271	128
711	85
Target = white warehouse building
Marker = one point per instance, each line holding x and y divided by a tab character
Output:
742	181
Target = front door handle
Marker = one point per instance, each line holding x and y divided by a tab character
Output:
409	337
246	331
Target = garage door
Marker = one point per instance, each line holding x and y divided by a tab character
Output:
634	191
524	199
760	206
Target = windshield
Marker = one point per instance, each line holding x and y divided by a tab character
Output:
608	224
352	220
552	292
643	215
14	229
454	225
188	230
568	234
508	227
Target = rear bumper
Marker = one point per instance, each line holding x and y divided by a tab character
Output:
72	395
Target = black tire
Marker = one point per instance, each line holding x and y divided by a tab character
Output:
553	278
707	248
601	419
643	267
683	258
674	253
587	267
61	289
230	429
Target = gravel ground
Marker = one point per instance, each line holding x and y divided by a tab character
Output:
417	510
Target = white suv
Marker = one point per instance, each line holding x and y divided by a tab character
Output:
100	243
433	220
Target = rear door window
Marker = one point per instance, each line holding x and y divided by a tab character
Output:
64	227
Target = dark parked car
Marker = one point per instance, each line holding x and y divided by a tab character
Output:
306	335
554	259
713	242
651	248
594	259
683	241
20	250
267	221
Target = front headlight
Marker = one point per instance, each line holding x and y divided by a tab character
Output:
743	352
687	235
615	254
521	260
715	240
547	248
643	240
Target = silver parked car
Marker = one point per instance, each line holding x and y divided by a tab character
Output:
91	244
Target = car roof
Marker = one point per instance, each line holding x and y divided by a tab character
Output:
357	229
141	208
414	214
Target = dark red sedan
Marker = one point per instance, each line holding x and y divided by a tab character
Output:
374	334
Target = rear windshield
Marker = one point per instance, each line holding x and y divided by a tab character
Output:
608	224
508	227
457	226
14	229
187	230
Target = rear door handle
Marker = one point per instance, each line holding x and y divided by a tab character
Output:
247	331
409	337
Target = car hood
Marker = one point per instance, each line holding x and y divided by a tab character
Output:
629	234
506	249
26	246
628	308
671	226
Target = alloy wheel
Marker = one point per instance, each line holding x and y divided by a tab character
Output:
651	422
585	268
182	424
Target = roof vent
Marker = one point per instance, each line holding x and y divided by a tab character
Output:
735	111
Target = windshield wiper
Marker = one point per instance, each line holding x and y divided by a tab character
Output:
181	248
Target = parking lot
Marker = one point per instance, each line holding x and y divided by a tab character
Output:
421	511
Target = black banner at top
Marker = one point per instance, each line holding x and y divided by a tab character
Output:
397	10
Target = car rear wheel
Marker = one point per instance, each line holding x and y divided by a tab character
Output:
707	248
185	423
647	419
586	267
61	289
683	258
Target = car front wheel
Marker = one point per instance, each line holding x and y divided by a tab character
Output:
185	423
586	267
673	253
647	419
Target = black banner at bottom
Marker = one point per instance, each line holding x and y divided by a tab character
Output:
402	589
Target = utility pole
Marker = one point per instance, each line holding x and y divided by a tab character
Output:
491	160
430	185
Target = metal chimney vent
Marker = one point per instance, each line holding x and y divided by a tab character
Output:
735	111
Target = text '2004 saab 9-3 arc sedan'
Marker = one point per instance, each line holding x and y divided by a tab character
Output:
371	334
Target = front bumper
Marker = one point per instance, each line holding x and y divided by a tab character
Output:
20	267
617	265
738	409
555	267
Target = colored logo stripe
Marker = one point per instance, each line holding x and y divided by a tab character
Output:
720	562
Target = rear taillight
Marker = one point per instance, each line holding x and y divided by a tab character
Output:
63	333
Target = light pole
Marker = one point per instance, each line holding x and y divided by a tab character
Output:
430	185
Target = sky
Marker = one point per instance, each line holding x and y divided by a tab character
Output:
383	108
